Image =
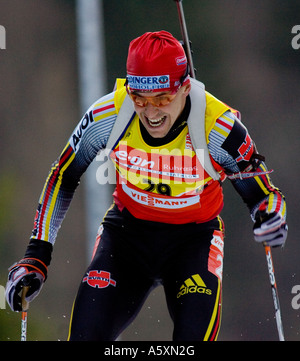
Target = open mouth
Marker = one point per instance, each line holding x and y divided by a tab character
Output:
156	122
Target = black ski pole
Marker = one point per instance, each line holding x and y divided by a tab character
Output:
185	37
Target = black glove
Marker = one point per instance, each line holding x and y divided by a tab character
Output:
269	227
30	271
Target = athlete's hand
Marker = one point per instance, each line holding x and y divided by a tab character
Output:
269	227
30	271
27	272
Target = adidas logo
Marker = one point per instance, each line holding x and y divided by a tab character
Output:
194	284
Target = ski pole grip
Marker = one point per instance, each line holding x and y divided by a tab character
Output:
25	304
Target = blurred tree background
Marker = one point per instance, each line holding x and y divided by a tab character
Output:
242	52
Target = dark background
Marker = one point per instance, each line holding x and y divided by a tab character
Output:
242	52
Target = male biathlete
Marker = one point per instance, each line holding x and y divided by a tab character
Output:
173	144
